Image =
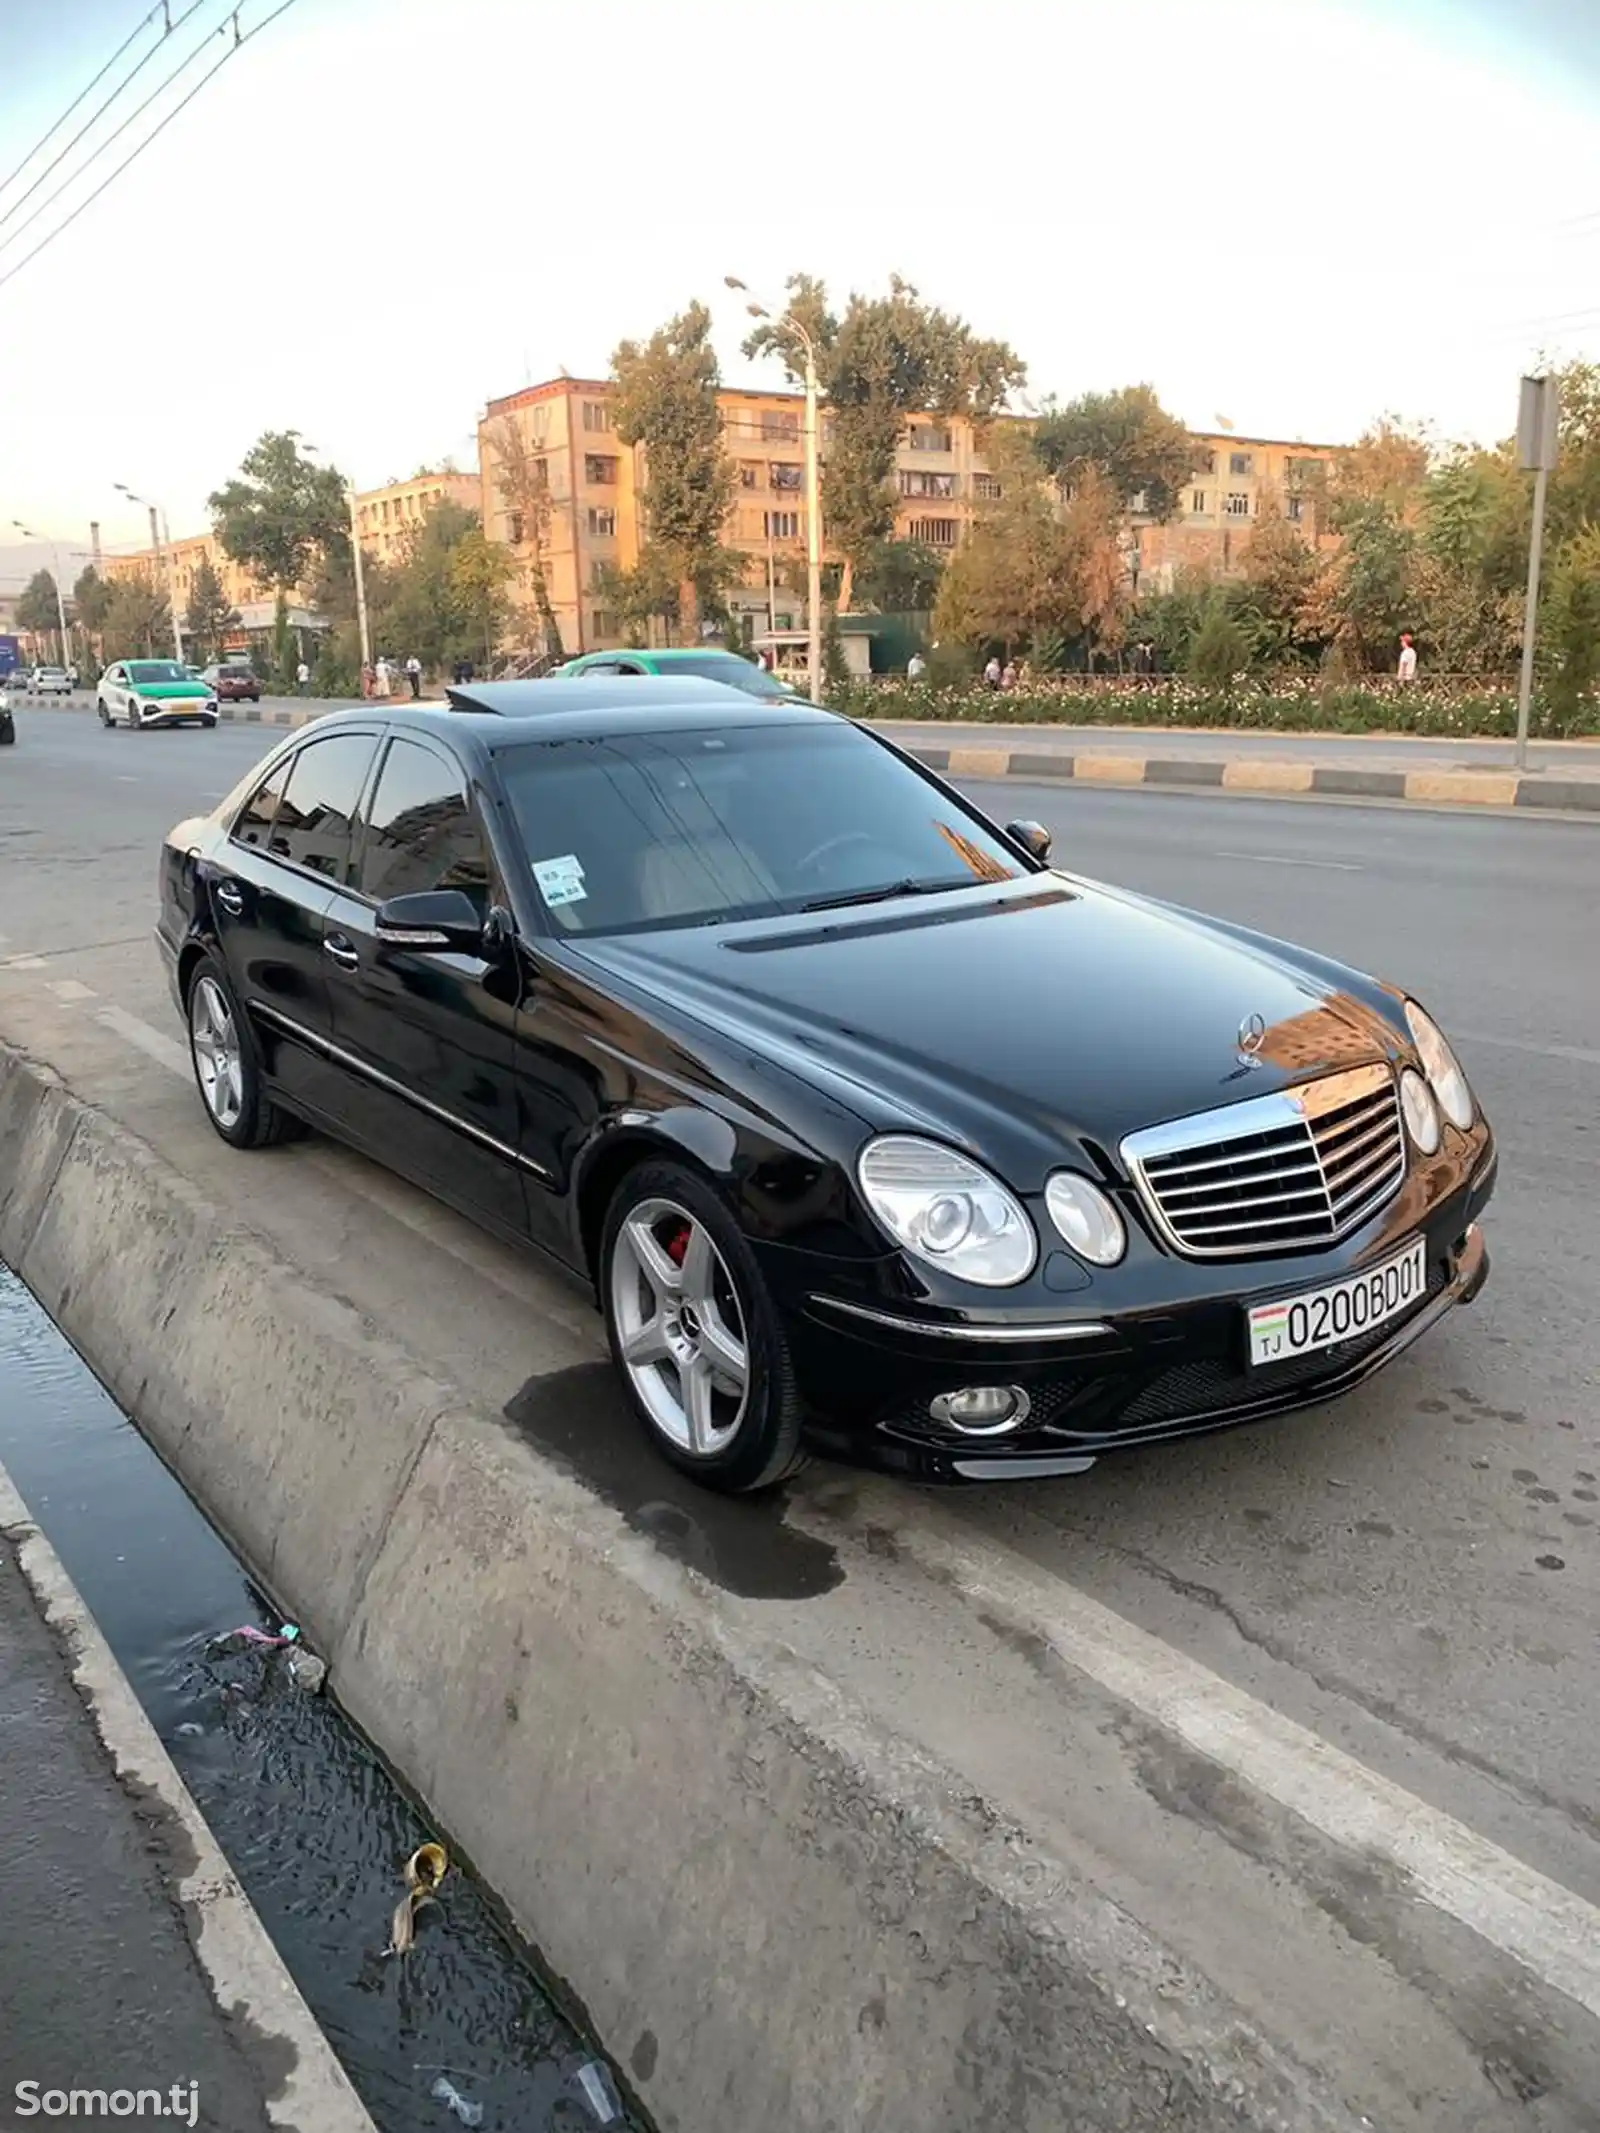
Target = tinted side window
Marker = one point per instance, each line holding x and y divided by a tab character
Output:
255	820
319	806
421	831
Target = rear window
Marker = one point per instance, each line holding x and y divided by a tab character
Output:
729	668
157	670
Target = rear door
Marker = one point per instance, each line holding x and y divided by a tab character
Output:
429	1037
287	855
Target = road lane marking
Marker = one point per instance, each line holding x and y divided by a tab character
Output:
1552	1932
70	989
1526	1044
152	1042
1271	859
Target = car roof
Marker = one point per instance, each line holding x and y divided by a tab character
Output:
595	692
668	655
643	710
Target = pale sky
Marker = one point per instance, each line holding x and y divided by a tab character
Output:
1295	213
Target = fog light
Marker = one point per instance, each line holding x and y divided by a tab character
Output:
981	1410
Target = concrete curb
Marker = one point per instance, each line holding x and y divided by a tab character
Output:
243	1969
1264	774
776	1911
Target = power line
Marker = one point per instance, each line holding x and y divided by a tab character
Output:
78	99
240	39
96	153
90	122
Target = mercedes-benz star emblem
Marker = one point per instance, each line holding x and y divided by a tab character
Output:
1252	1035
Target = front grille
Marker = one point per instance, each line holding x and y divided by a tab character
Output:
1287	1172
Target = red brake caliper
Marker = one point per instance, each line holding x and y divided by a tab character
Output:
678	1245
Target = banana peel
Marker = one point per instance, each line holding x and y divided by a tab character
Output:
425	1871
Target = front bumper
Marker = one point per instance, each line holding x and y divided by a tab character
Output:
1099	1378
180	711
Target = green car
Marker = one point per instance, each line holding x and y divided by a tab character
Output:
706	664
154	692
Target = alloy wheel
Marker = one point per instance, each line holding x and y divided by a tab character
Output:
218	1060
680	1327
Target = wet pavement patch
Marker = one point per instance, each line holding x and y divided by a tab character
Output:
581	1418
310	1819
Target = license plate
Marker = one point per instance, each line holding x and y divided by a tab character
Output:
1299	1325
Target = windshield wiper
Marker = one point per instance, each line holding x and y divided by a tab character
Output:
911	886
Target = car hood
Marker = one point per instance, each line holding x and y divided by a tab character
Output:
1045	1011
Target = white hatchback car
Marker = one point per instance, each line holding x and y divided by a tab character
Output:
50	681
154	692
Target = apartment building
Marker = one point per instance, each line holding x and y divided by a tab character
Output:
562	434
386	518
254	599
1235	482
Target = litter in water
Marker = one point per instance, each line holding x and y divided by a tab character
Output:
246	1637
598	2092
425	1870
307	1671
469	2113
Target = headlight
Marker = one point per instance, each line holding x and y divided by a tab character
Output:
1441	1066
947	1210
1422	1113
1085	1218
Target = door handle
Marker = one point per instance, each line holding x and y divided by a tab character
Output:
231	898
341	951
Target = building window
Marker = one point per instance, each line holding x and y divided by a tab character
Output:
1197	503
1295	507
928	437
915	483
749	473
1237	506
1137	501
783	475
987	488
596	416
599	470
602	523
515	520
604	622
780	429
781	525
936	532
1241	462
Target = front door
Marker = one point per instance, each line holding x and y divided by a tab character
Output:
428	1037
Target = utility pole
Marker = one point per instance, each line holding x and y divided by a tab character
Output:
162	554
55	579
813	488
1538	425
361	583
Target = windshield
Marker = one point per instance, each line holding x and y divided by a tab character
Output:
158	670
697	828
730	668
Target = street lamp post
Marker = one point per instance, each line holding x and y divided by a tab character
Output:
55	577
813	487
310	451
171	566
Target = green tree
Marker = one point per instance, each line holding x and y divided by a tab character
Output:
1220	650
36	604
210	614
91	596
1387	465
447	599
1276	591
138	619
880	362
281	513
899	578
1570	627
1129	436
479	571
641	595
522	477
666	401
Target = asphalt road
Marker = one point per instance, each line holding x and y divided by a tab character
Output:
1412	1575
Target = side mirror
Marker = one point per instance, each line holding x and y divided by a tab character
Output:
1033	837
444	921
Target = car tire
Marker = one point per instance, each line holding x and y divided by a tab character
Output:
105	715
132	716
227	1064
695	1335
8	736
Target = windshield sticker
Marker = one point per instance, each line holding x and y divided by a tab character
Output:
560	880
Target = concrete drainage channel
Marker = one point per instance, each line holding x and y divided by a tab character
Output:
313	1824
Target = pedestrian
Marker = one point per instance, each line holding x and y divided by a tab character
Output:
72	675
1407	669
414	676
1008	678
302	679
916	667
368	679
991	674
468	671
381	675
1144	663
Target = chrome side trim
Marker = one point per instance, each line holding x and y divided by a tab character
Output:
340	1057
1077	1329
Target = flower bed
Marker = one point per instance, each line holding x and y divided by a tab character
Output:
1444	708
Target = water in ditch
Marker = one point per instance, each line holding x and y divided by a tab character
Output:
310	1819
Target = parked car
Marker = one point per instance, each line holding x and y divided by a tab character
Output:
708	663
8	724
154	692
49	681
232	684
853	1114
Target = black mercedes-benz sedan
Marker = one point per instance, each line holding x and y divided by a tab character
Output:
863	1122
